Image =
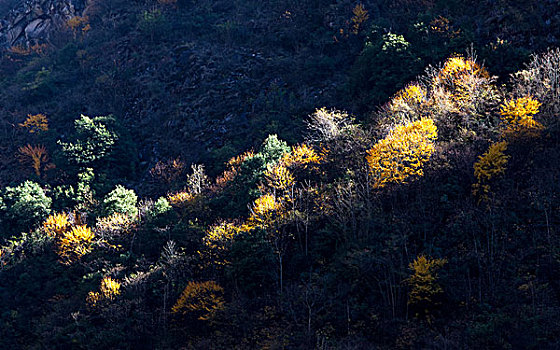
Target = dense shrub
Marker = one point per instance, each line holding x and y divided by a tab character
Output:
25	205
120	200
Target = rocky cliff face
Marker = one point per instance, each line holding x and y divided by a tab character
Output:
26	22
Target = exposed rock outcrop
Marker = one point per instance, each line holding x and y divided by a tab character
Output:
27	22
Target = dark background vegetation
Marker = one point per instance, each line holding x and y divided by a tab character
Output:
202	81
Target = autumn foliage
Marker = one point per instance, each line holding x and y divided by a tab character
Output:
180	198
35	123
218	240
75	243
37	156
279	177
425	215
202	300
301	155
425	289
116	223
517	116
56	225
266	210
108	290
359	18
489	166
402	153
455	75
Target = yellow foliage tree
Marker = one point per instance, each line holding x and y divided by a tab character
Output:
402	153
301	155
266	210
408	103
278	177
200	299
109	289
36	123
56	225
517	116
463	79
238	160
179	199
36	155
412	94
360	17
218	240
456	67
75	243
424	287
489	165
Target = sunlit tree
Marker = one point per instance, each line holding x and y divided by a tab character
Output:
489	166
409	103
26	204
219	239
56	225
462	95
410	95
517	116
278	177
231	171
301	155
325	125
180	199
75	243
402	153
120	200
93	140
456	75
266	210
108	290
115	224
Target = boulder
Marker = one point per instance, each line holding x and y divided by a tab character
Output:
28	22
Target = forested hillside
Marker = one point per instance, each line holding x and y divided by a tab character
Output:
279	174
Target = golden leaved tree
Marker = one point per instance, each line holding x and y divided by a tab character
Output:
301	155
56	224
75	243
402	153
462	77
517	116
278	177
108	290
201	300
266	210
425	291
360	17
72	240
218	240
489	166
35	123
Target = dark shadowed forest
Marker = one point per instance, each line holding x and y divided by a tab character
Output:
279	174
